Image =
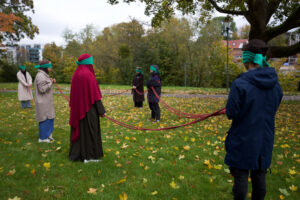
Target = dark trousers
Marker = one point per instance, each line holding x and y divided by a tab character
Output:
138	104
240	186
155	111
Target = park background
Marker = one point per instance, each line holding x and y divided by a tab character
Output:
185	163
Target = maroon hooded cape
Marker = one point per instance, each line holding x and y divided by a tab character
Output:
84	93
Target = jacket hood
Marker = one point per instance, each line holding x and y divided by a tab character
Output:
264	78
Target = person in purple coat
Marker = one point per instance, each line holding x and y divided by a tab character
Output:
252	104
154	83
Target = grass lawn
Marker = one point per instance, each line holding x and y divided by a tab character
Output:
184	163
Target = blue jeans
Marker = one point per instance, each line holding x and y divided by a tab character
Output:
25	104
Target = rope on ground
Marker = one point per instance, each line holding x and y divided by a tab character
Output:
177	112
200	118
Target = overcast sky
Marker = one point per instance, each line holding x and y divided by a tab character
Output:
54	16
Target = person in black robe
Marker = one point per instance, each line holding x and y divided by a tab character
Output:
86	107
138	88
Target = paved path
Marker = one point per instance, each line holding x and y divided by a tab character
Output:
285	98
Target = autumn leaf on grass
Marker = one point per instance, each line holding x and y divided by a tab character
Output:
181	177
92	191
174	185
121	181
11	172
292	172
218	167
181	156
123	196
284	192
15	198
154	192
187	147
293	188
281	197
124	146
33	172
46	165
207	162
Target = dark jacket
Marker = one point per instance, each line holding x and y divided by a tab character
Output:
252	104
154	82
138	82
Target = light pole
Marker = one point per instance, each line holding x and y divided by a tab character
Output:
227	22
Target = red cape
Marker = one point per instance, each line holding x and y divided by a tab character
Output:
84	93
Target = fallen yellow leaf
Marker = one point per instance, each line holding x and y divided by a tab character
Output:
11	172
92	191
123	196
15	198
174	185
47	165
293	188
154	192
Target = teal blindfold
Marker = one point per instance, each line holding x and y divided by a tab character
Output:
49	65
88	61
22	67
249	57
140	71
152	68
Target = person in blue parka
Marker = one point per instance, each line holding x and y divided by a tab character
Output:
252	104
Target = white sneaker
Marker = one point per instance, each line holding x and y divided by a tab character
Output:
87	161
51	138
45	140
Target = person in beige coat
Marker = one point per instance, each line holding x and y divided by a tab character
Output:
44	106
24	87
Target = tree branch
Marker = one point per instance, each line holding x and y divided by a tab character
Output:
280	52
293	21
272	7
222	10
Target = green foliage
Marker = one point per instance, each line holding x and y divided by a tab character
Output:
288	80
22	28
267	19
178	47
8	71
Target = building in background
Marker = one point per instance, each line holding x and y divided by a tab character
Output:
29	53
9	52
236	48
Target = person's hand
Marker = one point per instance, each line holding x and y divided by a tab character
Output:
53	80
29	85
133	87
102	115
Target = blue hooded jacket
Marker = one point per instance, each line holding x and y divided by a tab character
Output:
252	104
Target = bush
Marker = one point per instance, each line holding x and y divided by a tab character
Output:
8	72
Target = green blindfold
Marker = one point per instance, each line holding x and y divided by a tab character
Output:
88	61
49	65
152	68
249	57
22	67
140	71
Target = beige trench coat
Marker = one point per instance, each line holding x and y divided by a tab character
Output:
44	107
24	91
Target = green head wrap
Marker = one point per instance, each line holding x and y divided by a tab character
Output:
152	68
88	61
22	67
249	57
49	65
139	70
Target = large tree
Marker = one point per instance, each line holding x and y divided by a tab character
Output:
15	23
267	18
